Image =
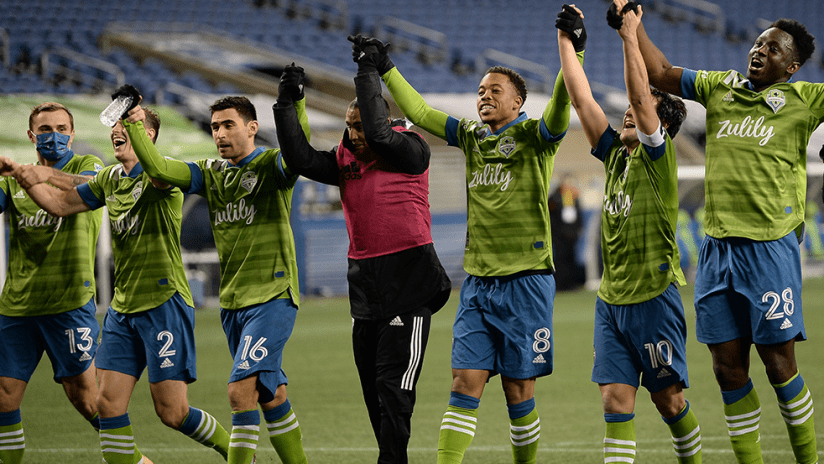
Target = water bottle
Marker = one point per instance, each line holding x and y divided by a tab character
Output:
115	110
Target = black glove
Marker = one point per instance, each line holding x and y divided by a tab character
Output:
572	23
614	19
371	52
127	90
290	88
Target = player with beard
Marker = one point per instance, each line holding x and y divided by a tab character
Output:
150	323
748	282
396	281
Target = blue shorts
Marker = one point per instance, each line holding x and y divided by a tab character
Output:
504	325
257	335
162	339
69	339
749	289
646	340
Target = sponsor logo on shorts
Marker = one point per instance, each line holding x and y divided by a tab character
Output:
397	322
786	324
244	365
166	363
539	359
664	373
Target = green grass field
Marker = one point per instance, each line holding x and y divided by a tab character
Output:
325	394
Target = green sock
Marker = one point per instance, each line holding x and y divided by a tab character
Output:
796	406
285	435
686	436
206	430
244	439
619	438
12	440
742	410
117	441
457	432
523	435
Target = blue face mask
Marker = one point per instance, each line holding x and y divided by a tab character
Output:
53	146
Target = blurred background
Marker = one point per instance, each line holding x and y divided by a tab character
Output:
183	55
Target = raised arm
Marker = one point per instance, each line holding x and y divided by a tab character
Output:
406	151
641	101
592	117
293	137
662	75
165	170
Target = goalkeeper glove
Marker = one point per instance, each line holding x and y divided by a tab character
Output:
614	19
290	88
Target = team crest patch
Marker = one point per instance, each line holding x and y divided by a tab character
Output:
248	180
776	99
137	190
506	146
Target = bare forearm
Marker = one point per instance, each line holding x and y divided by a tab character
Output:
65	180
662	75
56	202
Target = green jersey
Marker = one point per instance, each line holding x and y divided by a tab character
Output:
145	223
756	155
507	187
51	259
638	220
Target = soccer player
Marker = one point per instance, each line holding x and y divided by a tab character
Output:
249	195
396	281
150	322
748	282
640	330
504	320
48	299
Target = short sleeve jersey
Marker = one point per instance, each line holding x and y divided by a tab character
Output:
249	207
638	220
756	155
51	259
145	224
507	182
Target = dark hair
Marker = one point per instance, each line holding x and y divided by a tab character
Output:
671	111
152	122
49	106
354	104
803	40
242	105
514	77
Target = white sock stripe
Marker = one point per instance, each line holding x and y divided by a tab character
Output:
688	436
516	436
455	421
119	450
524	443
799	421
240	436
204	417
732	425
735	433
525	427
689	445
248	428
117	437
242	444
609	449
408	380
13	440
204	433
21	446
615	441
757	412
283	430
272	425
462	416
458	429
688	453
618	459
11	434
117	443
797	412
796	404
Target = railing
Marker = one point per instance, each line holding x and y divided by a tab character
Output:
537	76
50	67
429	44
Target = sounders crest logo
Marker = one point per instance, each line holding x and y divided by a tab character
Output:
506	146
137	190
248	180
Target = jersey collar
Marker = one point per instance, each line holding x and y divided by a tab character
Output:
521	118
64	161
248	159
137	169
